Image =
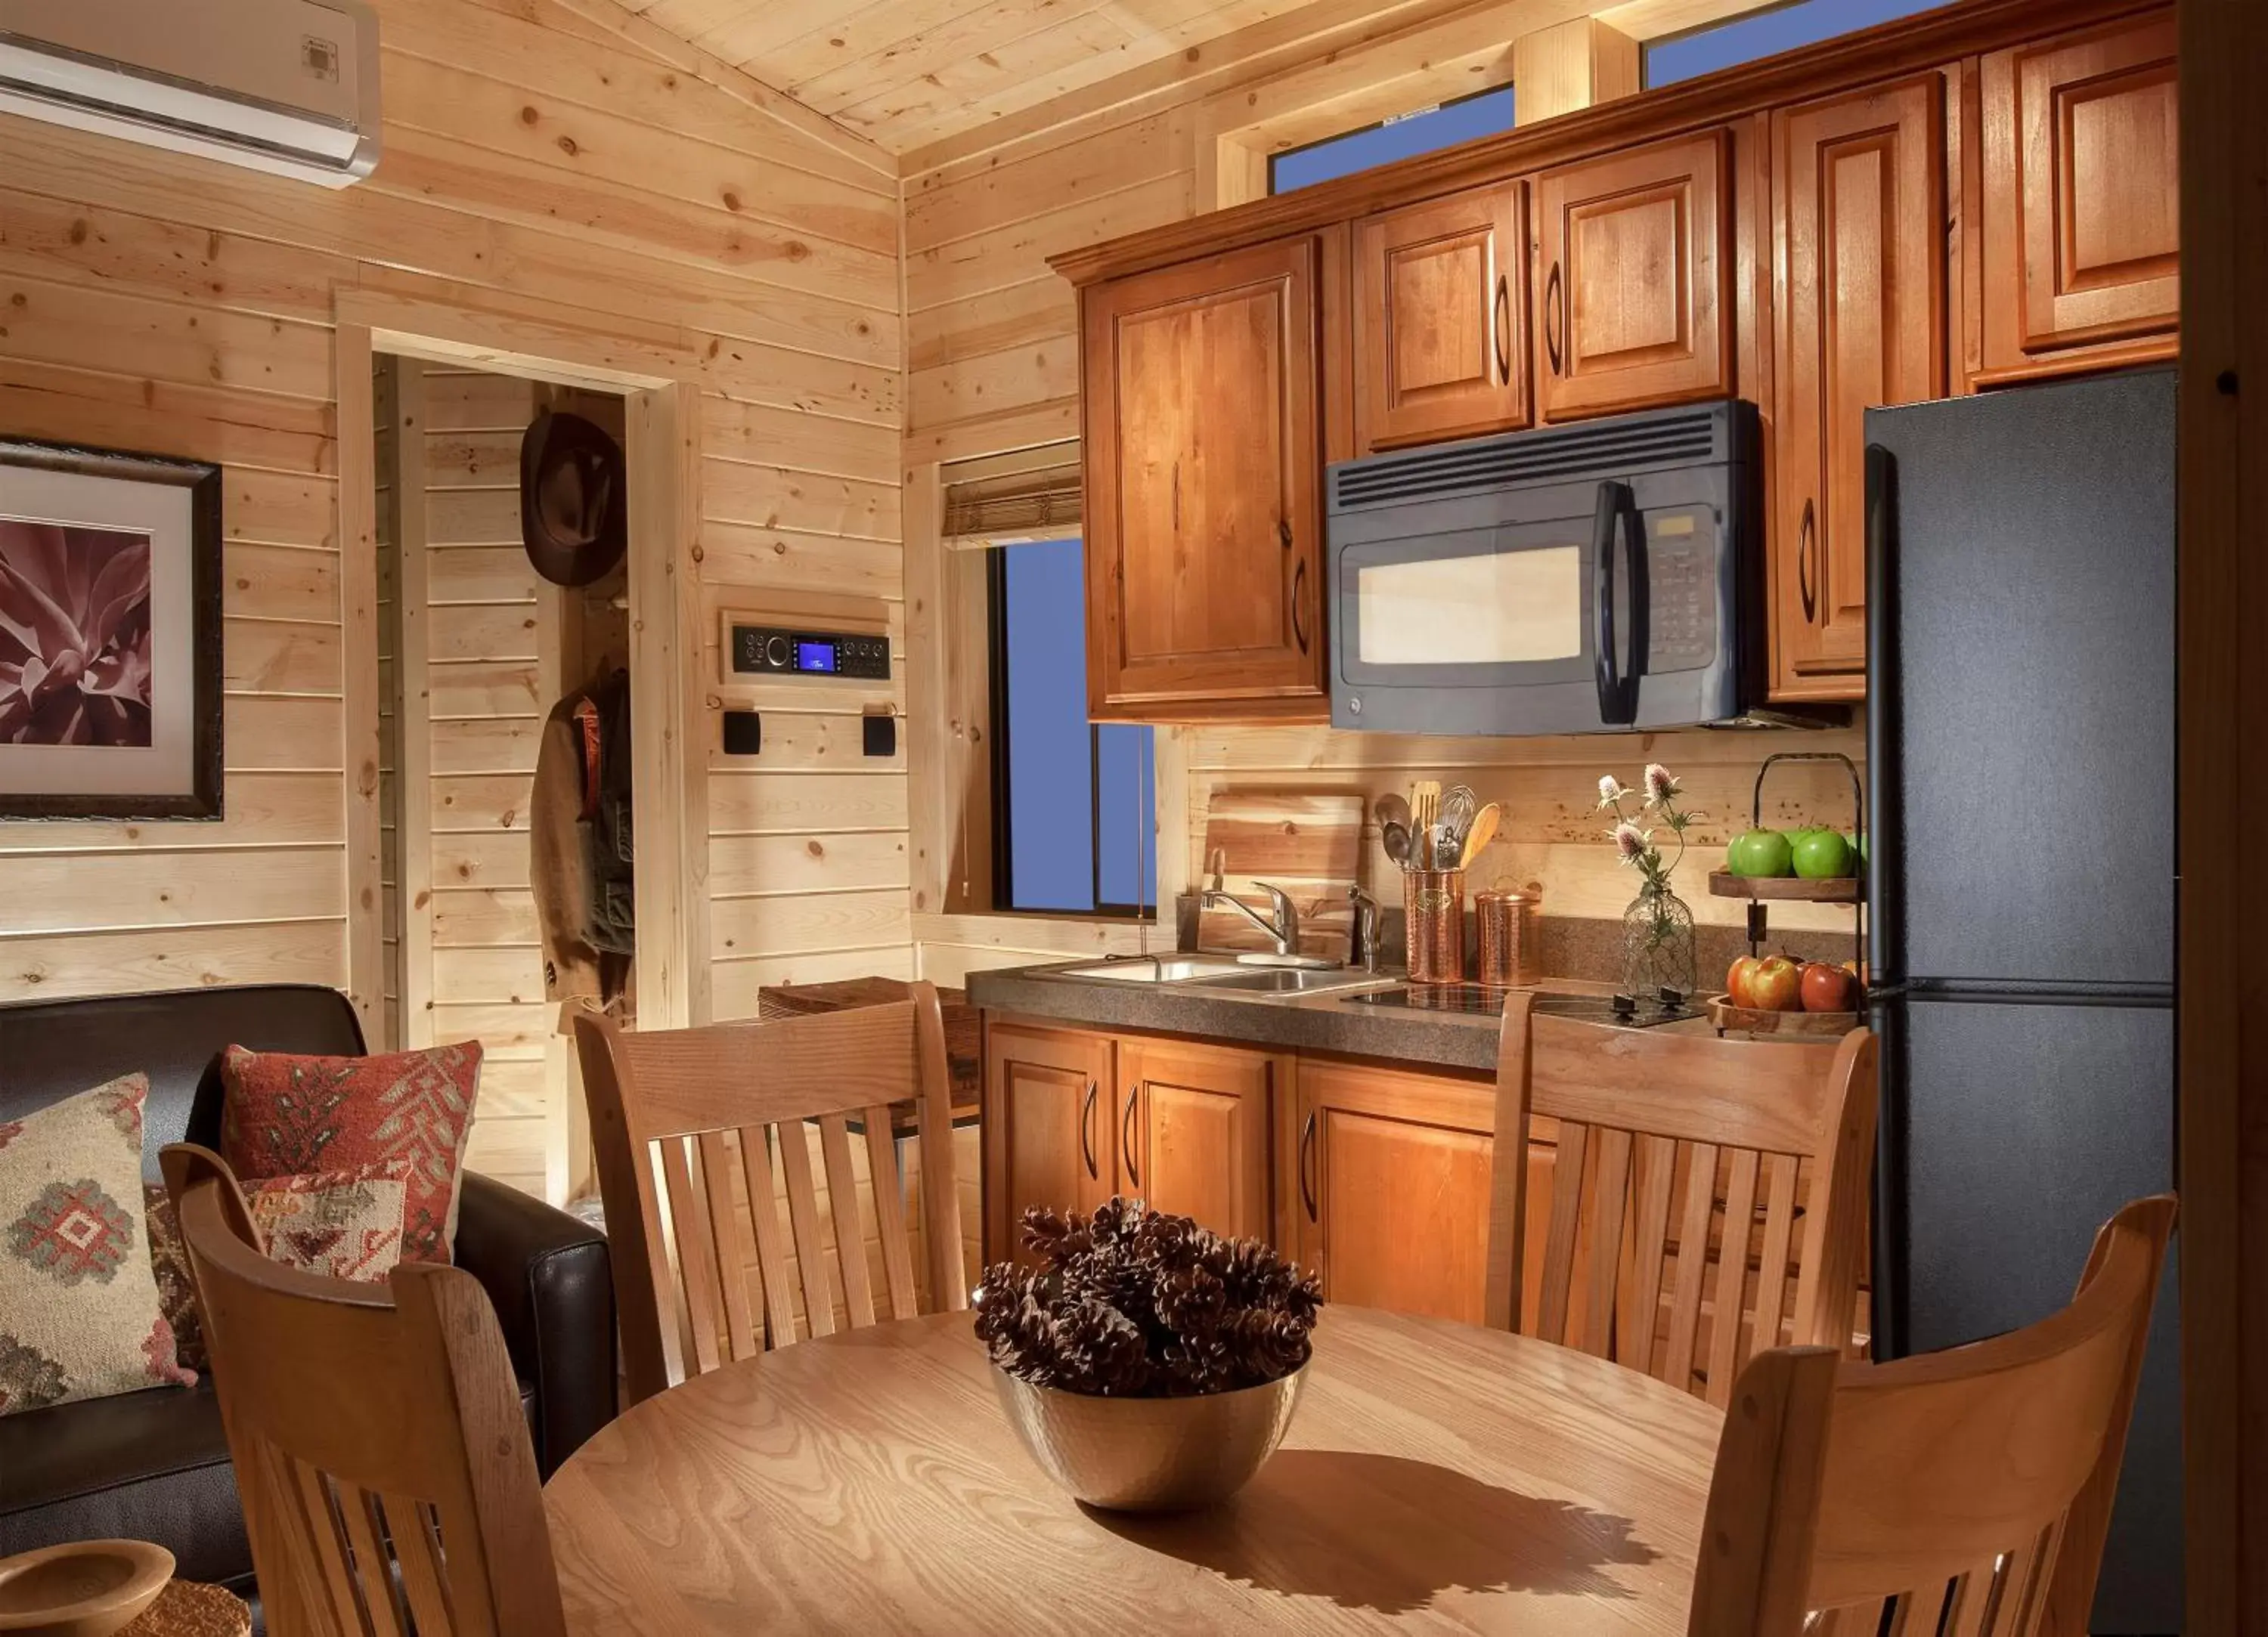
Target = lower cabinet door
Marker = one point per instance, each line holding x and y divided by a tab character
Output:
1193	1125
1049	1137
1390	1187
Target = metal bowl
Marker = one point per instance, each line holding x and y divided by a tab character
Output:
1151	1455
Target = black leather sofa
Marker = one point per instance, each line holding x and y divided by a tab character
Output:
154	1465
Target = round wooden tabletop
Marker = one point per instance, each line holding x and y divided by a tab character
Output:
1436	1477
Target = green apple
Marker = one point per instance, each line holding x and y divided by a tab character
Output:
1823	856
1858	846
1760	852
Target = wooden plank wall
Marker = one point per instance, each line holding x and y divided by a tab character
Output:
558	160
992	350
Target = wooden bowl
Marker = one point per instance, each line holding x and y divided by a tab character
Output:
1729	1019
87	1589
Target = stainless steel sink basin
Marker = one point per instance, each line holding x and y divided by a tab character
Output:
1154	969
1288	981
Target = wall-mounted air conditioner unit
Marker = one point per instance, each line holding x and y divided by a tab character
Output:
284	85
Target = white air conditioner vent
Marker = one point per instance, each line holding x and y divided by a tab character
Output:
289	86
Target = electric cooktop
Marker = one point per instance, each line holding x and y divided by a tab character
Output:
1623	1011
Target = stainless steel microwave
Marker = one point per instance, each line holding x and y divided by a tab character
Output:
1578	579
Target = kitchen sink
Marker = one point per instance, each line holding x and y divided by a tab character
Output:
1154	969
1289	981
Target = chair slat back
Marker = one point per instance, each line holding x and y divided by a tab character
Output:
1679	1240
706	1269
389	1482
1965	1491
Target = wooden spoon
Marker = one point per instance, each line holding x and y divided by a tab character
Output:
1480	835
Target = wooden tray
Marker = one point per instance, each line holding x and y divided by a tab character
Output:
1728	1018
84	1589
1841	890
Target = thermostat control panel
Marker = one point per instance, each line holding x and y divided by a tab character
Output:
776	651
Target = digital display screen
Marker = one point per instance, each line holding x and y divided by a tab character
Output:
814	656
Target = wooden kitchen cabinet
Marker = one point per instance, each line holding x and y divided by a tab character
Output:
1440	330
1634	273
2082	200
1861	211
1193	1130
1049	1139
1388	1183
1203	467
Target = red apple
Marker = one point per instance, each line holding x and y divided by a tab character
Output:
1736	979
1776	985
1826	989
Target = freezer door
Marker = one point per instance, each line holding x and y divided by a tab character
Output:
2021	684
2010	1134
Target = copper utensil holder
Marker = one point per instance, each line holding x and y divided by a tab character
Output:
1509	957
1434	912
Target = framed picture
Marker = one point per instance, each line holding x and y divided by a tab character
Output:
110	634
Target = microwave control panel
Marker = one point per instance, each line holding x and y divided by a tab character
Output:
1681	558
759	651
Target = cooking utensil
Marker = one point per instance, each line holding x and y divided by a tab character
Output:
1391	809
1396	837
1425	812
1478	834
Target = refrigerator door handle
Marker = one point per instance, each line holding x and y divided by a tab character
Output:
1885	950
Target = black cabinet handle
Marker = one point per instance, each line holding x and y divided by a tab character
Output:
1551	306
1306	1153
1087	1130
1300	604
1126	1135
1807	541
1504	328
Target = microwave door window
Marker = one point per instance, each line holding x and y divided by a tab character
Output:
1480	609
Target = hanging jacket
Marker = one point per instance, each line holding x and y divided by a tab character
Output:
583	870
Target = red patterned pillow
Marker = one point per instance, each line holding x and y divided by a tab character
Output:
342	1224
177	1289
287	1116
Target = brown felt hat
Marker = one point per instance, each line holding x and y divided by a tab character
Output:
574	503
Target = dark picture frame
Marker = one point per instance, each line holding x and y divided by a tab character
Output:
200	625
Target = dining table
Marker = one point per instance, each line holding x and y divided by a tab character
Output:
1435	1477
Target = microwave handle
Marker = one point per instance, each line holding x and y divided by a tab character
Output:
1616	523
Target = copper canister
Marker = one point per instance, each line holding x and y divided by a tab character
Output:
1507	922
1433	912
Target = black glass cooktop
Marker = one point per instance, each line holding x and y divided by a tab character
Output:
1620	1010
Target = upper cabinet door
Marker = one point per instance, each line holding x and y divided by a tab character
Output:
1204	486
1861	227
1439	309
2082	193
1634	306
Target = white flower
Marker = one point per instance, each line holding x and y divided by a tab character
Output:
1630	842
1611	790
1660	786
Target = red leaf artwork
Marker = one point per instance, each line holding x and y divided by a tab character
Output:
74	634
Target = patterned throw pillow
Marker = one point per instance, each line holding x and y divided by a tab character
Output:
177	1289
288	1116
79	1314
342	1224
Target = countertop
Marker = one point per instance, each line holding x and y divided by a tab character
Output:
1327	1022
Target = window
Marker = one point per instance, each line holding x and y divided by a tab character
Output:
1484	113
1074	812
1768	33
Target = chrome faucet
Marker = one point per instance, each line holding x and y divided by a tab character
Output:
1282	928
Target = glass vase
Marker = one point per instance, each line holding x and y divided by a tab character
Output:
1658	944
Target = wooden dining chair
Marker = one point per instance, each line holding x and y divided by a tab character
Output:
1708	1197
389	1481
728	1112
1965	1491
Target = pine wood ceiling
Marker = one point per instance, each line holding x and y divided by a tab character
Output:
908	72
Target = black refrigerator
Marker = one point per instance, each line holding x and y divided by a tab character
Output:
2019	733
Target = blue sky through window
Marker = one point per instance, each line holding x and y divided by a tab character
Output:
1767	34
1080	801
1485	115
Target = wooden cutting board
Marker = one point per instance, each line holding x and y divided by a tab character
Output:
1309	842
